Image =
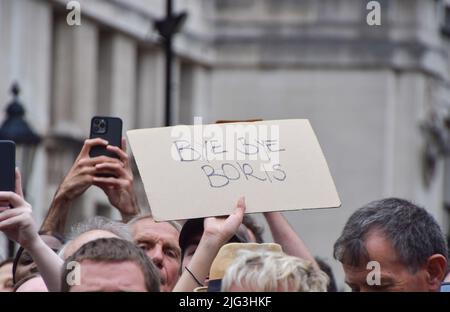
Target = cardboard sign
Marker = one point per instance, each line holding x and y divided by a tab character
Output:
202	170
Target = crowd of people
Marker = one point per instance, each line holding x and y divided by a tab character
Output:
228	253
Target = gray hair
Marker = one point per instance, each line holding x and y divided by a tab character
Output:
413	232
261	270
120	229
146	215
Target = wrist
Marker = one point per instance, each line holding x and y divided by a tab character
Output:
212	243
57	214
271	214
59	206
34	244
127	216
129	211
62	196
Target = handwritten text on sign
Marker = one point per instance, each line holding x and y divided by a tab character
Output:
222	174
201	170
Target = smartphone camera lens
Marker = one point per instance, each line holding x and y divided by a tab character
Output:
99	126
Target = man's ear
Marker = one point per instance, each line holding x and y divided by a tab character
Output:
436	268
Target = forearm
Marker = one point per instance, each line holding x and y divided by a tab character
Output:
48	263
199	265
284	234
55	220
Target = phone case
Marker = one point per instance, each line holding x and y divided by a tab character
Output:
113	135
7	166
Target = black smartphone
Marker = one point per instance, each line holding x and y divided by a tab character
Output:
109	129
7	166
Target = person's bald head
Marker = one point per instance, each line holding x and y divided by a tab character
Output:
84	238
93	229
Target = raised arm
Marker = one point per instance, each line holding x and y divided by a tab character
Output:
17	223
83	174
284	234
217	232
76	182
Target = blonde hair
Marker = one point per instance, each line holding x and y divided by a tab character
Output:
273	271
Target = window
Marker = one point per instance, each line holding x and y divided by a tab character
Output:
445	17
103	210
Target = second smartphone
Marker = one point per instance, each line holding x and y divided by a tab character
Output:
109	129
7	166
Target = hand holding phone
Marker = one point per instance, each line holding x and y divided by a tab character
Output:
17	224
114	178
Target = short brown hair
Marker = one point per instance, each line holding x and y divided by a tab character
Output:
114	250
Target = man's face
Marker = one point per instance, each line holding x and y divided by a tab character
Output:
160	242
6	283
103	276
394	276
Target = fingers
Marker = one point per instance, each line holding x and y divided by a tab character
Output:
12	198
19	190
234	220
241	203
124	145
88	171
11	213
221	229
13	222
88	144
111	182
98	160
114	169
240	207
122	154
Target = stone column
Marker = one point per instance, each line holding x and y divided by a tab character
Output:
117	81
150	92
75	76
194	93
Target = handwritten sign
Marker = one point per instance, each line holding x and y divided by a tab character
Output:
202	170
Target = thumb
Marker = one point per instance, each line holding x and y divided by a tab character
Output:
124	145
240	208
19	190
241	204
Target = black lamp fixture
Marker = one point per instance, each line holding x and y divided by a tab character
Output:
167	27
15	128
